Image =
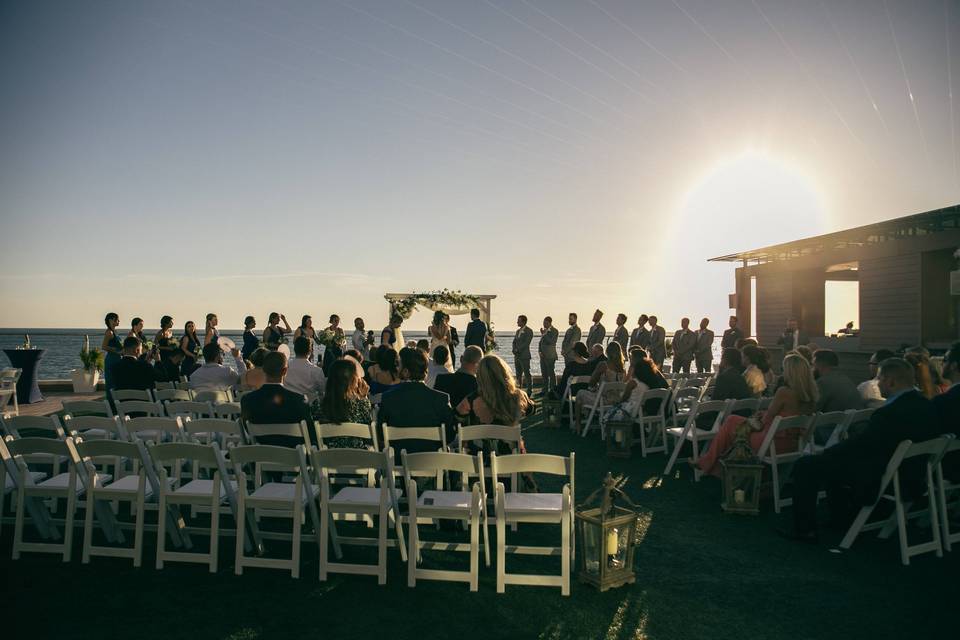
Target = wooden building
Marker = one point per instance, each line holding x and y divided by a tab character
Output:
908	275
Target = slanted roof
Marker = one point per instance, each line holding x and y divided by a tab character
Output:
919	224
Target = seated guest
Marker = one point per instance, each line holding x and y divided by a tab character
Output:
214	375
870	389
923	374
356	358
646	371
345	399
947	406
730	385
851	470
837	391
579	365
385	374
424	345
303	376
168	367
757	373
498	399
254	378
273	404
440	364
414	404
462	383
132	372
610	369
798	396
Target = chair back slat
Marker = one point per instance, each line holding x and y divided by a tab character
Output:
77	408
269	454
402	434
213	396
79	424
107	448
190	408
17	424
173	395
121	395
531	462
490	432
349	460
781	423
126	407
292	429
212	425
202	453
433	461
226	410
348	430
28	446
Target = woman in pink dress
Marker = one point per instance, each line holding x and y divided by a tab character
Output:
797	396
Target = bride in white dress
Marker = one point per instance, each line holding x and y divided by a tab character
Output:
439	332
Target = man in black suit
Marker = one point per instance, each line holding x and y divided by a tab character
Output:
454	341
476	331
414	404
730	385
851	470
462	383
274	404
133	373
168	369
731	336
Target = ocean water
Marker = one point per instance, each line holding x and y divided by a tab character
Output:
62	347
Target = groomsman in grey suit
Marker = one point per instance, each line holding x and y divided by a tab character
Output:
684	346
521	353
597	332
548	354
703	354
620	334
640	336
658	342
570	337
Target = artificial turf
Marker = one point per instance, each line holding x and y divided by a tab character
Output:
700	574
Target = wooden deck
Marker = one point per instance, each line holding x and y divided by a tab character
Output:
52	403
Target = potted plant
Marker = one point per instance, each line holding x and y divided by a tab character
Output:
85	380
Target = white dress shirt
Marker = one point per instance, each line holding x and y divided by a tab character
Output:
212	376
360	343
304	377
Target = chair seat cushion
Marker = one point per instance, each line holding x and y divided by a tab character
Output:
278	491
61	480
203	487
533	501
130	482
445	499
36	476
360	495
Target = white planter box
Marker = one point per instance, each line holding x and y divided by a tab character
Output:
84	381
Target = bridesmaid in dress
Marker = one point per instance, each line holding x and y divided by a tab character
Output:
210	332
112	348
250	340
334	351
190	345
306	329
164	339
136	331
273	335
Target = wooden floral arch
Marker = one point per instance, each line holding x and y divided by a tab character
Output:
451	302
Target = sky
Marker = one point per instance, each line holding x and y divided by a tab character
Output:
242	157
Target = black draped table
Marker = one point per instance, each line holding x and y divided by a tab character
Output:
28	360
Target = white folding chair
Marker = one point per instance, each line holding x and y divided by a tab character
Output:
354	501
856	422
94	427
213	396
295	430
61	485
10	480
204	430
599	405
570	398
325	432
395	437
653	427
768	453
465	504
932	452
122	395
8	382
945	487
208	492
161	386
281	498
488	436
227	410
130	408
132	488
77	408
824	427
695	435
189	409
515	507
37	426
683	399
154	429
173	395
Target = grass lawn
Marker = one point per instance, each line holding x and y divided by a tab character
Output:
700	574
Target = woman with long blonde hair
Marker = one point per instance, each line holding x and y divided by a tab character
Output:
796	397
498	400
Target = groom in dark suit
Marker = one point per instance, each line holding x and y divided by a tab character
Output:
476	331
413	404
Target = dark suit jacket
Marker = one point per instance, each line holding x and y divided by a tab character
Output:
786	340
274	404
131	373
947	406
414	404
458	385
730	338
167	371
731	385
476	335
837	393
864	457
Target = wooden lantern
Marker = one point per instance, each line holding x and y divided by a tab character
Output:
607	538
742	474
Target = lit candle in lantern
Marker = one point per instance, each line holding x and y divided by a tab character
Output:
739	496
613	542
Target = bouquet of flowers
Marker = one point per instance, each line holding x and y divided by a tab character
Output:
491	340
331	338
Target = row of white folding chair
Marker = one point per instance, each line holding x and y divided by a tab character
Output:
696	435
932	452
161	395
570	397
599	406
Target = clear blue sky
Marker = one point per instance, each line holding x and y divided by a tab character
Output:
239	157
